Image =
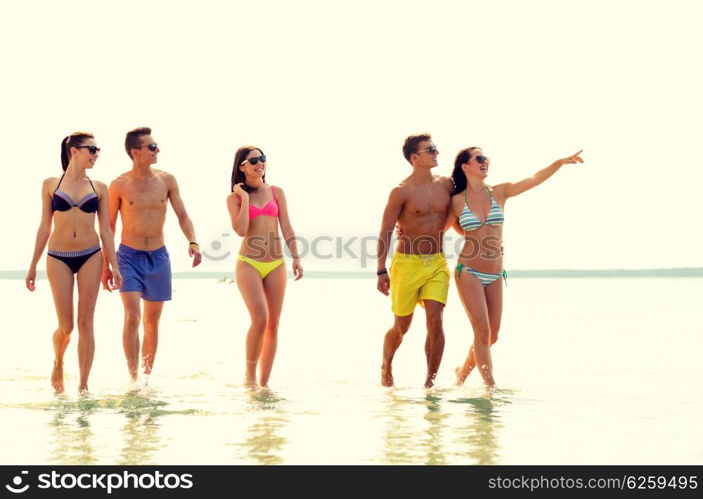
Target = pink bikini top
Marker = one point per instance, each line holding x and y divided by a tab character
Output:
269	209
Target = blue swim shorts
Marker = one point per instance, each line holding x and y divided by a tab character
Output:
148	272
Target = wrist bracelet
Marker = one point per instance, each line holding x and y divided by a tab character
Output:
381	272
194	244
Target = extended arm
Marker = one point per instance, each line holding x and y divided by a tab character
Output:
515	188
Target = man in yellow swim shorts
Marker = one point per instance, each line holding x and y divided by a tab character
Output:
418	271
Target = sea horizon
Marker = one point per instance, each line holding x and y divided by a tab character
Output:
369	274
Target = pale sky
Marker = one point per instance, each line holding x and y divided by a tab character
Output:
329	91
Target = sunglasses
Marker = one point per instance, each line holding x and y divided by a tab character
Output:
481	159
152	147
430	149
253	161
91	149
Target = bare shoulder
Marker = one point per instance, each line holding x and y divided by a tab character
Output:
499	192
100	186
121	179
402	188
277	191
232	197
458	201
400	193
164	175
447	182
49	182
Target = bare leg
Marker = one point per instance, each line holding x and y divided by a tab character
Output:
434	344
391	342
473	297
274	289
494	302
61	282
88	279
152	315
252	289
130	334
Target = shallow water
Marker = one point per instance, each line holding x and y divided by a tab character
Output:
589	371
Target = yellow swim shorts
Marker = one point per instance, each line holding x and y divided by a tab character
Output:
415	278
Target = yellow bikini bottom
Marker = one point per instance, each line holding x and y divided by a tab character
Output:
263	268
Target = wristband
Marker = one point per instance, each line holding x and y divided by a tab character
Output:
381	272
192	243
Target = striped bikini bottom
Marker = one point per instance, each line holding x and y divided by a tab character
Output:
484	277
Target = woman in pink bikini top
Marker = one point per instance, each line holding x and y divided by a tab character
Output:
257	210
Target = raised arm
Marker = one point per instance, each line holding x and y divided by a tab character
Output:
113	200
174	195
238	206
42	234
288	233
390	217
510	189
107	236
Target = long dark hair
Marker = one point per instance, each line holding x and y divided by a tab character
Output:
458	175
73	140
238	175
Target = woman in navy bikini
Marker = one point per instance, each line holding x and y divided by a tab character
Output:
256	210
74	250
477	212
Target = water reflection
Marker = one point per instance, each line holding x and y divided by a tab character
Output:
476	432
433	431
447	431
263	441
406	441
141	429
74	441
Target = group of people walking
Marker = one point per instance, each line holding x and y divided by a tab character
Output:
421	209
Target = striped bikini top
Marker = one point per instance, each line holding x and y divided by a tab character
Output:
468	221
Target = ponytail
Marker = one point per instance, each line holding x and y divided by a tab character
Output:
75	139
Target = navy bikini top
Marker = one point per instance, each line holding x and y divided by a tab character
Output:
61	201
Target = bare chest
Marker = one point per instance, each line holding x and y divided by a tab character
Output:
145	195
426	201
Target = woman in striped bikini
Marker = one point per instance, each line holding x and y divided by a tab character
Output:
256	209
74	250
477	212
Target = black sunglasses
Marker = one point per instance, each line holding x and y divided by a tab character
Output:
481	159
253	161
430	149
91	149
152	147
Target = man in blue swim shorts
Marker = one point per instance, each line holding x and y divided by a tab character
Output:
140	197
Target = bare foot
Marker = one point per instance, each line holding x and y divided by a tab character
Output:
460	375
386	376
250	381
429	382
57	378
